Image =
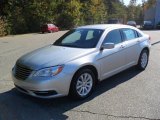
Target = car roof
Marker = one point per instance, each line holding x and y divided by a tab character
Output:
103	26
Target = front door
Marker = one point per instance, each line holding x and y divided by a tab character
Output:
112	60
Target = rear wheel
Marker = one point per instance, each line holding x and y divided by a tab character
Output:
82	84
143	60
50	31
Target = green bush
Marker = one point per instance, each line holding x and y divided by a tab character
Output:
64	21
3	26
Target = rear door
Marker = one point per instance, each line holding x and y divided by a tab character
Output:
132	45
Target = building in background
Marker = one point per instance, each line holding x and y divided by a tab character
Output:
153	13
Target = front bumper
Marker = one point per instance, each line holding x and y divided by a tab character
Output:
44	87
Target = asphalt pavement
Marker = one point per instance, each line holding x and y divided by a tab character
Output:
130	95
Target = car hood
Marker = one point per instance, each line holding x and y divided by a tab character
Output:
51	56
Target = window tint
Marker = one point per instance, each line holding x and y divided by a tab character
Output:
139	34
72	37
90	35
113	37
129	34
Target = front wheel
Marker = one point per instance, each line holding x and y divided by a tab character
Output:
82	84
143	60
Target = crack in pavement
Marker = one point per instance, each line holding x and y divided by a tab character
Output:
155	43
115	116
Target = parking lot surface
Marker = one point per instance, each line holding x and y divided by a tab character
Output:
132	94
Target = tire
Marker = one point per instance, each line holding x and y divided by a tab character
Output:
50	31
143	60
80	89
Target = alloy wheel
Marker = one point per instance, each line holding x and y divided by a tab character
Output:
84	84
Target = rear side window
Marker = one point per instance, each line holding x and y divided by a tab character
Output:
139	34
129	34
113	36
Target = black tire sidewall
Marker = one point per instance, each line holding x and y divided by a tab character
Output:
139	62
73	92
50	31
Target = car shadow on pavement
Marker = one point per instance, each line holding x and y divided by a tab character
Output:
17	106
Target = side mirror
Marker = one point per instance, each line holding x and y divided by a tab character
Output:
107	46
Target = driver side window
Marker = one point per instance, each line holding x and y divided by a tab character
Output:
113	36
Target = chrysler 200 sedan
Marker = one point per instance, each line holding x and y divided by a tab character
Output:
74	63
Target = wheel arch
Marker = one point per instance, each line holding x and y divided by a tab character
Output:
91	67
146	48
139	63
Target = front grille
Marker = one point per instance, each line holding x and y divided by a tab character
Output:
22	72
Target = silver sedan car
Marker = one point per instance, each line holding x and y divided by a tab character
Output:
74	63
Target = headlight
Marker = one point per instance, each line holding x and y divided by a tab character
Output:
50	71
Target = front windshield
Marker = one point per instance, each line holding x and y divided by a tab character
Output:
80	38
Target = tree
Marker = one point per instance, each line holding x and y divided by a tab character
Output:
134	12
150	3
69	14
3	27
24	16
116	9
133	2
97	11
132	9
28	15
